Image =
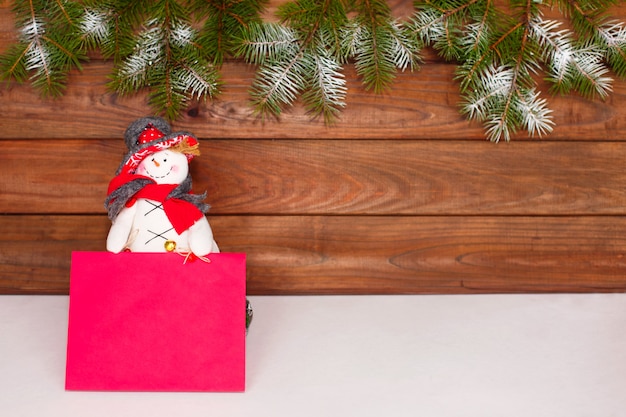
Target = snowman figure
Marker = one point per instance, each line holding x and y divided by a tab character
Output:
149	200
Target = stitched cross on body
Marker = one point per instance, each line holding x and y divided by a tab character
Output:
154	229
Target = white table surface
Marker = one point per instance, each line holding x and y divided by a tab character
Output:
561	355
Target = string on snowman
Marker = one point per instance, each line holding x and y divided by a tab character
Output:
149	201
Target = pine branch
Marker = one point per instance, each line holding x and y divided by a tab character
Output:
12	63
378	46
301	56
223	22
278	83
261	43
110	26
571	66
438	23
274	47
326	92
499	50
612	36
48	46
502	94
372	62
166	60
537	116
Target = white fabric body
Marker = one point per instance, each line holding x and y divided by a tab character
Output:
144	227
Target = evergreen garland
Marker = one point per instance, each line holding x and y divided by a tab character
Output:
175	49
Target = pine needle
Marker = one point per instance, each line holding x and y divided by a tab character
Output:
174	49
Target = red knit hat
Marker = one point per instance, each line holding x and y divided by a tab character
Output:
149	135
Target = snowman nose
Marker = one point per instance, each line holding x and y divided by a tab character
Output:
156	163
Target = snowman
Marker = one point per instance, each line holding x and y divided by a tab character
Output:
149	201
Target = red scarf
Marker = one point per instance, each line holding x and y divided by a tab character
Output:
182	214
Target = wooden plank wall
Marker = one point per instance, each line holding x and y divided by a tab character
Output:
403	195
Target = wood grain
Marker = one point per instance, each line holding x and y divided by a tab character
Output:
358	254
402	195
338	177
421	105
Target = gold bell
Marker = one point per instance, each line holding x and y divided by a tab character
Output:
170	245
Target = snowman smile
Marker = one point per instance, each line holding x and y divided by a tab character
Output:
157	176
165	167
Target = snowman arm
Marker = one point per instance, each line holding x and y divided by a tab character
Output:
121	229
201	238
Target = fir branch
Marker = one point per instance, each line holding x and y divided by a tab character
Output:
601	35
12	63
259	42
110	26
378	45
502	94
223	22
277	84
537	116
64	13
586	15
432	19
167	61
372	60
498	48
298	58
479	30
428	23
611	37
484	98
591	74
405	48
196	79
571	66
147	60
326	92
96	26
48	46
495	52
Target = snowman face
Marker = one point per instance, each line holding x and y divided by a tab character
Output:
165	167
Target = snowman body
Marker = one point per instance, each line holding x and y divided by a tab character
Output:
144	226
152	231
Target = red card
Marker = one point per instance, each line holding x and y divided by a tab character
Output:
148	322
